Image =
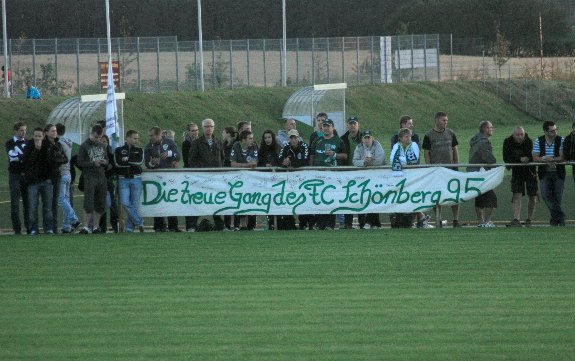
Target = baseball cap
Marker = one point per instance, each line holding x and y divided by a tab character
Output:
352	120
365	133
293	133
328	122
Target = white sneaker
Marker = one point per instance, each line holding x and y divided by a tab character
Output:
427	225
190	230
366	226
489	225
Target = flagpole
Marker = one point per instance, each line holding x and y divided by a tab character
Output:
284	47
5	38
108	34
201	44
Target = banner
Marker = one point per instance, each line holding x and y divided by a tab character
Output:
111	110
310	191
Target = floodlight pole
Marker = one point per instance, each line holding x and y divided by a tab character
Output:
201	45
108	34
5	38
284	46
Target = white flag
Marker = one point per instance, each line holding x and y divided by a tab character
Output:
112	128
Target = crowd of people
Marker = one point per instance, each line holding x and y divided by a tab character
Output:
43	168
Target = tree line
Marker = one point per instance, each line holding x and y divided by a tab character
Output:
516	20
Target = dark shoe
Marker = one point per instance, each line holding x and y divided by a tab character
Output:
177	230
141	228
514	223
528	223
75	226
65	231
456	224
97	231
160	230
85	231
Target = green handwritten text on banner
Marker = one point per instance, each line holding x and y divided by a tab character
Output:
310	192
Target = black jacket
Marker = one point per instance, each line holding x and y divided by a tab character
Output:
512	153
298	157
133	165
202	155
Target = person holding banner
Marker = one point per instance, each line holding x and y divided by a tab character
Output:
162	153
206	152
327	151
481	152
244	154
368	153
440	147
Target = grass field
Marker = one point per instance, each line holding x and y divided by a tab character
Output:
452	294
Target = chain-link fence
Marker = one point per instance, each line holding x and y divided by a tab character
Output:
71	66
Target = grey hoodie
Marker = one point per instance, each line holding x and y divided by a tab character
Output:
481	151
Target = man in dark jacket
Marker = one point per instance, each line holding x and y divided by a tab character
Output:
569	147
162	153
38	166
15	148
206	152
518	148
481	152
129	159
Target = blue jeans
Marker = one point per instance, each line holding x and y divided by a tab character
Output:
130	193
552	193
18	190
70	216
44	189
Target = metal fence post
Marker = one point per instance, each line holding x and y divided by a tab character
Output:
313	60
525	82
248	59
357	58
327	58
138	63
56	65
98	67
297	60
177	65
78	66
371	58
451	56
399	58
483	62
264	55
425	57
343	59
34	60
214	64
438	58
412	77
384	61
120	67
231	65
158	86
509	82
196	65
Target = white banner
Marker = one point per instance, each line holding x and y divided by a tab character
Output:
310	191
111	110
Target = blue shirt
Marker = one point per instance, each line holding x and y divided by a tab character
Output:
33	93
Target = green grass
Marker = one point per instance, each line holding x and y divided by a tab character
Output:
462	294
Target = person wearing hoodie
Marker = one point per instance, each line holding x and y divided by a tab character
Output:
481	152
